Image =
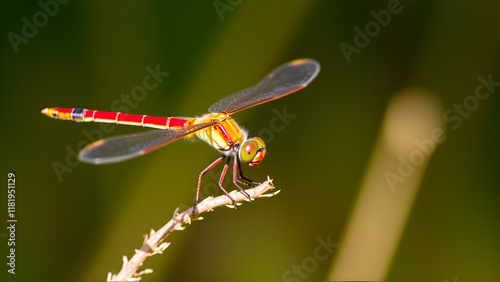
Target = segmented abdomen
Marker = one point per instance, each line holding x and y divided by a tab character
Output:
84	115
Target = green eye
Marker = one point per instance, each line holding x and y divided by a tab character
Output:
248	151
260	142
253	151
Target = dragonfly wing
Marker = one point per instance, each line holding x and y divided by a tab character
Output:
282	81
120	148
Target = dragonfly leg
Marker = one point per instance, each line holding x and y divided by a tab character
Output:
218	160
223	174
236	167
240	176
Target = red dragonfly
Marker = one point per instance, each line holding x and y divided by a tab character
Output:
217	128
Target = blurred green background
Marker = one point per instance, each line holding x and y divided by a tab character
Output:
87	54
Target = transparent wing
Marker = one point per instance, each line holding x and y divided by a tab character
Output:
120	148
282	81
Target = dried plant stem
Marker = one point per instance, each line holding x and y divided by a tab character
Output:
153	245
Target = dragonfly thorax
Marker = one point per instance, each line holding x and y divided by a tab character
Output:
224	136
227	137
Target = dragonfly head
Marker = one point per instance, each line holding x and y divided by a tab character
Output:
253	151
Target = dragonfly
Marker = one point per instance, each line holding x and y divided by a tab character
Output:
217	128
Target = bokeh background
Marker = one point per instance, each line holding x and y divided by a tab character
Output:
87	54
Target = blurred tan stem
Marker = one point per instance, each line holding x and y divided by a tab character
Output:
412	128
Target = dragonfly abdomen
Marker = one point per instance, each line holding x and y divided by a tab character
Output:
84	115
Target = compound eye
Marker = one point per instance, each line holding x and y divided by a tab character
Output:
260	142
253	151
248	151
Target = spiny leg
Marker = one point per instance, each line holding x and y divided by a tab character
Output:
223	174
199	179
236	167
240	175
